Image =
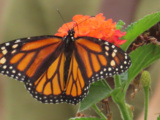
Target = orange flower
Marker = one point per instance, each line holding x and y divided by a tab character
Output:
96	27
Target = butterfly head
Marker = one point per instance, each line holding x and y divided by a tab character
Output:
69	39
71	33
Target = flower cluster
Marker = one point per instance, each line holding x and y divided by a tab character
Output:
96	27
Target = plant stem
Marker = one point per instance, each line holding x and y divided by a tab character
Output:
106	84
117	81
119	98
124	111
99	112
146	90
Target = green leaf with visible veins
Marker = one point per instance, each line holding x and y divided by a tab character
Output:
141	58
137	28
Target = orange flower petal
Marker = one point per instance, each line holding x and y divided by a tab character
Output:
96	27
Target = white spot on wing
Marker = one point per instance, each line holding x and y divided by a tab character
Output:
113	46
13	51
4	51
113	54
107	53
3	48
113	63
17	41
5	66
7	44
13	71
107	48
109	69
15	46
106	43
2	60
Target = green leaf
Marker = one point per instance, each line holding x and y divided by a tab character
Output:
135	29
120	25
97	92
158	117
124	76
85	118
141	58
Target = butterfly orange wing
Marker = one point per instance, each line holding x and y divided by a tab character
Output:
27	57
75	82
38	62
92	59
49	87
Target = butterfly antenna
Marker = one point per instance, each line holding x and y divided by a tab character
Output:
85	20
81	22
62	19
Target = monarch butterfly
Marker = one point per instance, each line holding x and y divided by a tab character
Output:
60	69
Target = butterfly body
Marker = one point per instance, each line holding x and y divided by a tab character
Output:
69	39
60	69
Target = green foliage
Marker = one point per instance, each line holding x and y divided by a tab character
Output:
141	58
97	92
158	117
135	29
120	25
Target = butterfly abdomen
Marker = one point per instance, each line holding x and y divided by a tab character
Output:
69	46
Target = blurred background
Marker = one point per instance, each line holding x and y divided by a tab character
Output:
24	18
